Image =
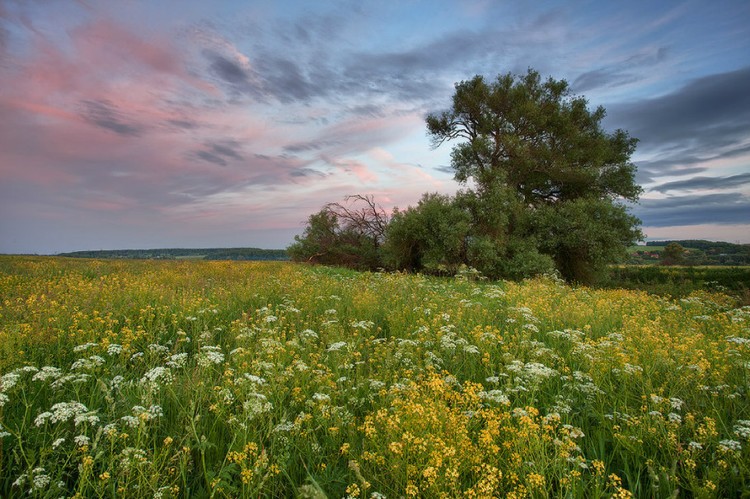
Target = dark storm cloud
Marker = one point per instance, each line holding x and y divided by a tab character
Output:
696	183
729	208
104	114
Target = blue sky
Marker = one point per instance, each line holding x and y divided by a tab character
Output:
212	124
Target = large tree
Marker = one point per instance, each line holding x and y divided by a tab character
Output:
541	142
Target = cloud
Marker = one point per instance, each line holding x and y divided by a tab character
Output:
315	145
211	158
182	124
690	130
629	70
707	112
227	70
104	114
701	183
725	208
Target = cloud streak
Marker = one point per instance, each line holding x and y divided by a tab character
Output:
104	114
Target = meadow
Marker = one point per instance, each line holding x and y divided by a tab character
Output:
272	379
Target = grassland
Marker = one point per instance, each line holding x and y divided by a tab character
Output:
249	379
681	281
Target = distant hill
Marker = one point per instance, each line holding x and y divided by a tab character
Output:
185	253
698	252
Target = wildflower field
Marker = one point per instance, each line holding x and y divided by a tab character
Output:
246	379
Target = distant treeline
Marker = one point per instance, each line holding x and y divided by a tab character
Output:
192	253
697	252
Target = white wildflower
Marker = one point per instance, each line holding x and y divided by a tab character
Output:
742	428
308	334
256	404
82	440
130	421
473	349
676	403
158	349
89	417
62	411
157	376
284	426
116	382
153	412
363	325
321	397
57	443
495	396
41	478
656	399
531	327
177	360
8	381
730	445
46	373
210	355
114	349
85	364
21	480
84	347
336	346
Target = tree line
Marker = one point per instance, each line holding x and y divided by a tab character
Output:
543	190
691	252
194	253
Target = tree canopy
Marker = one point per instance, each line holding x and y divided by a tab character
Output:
543	144
545	189
536	137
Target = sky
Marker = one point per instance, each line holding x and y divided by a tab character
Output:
143	124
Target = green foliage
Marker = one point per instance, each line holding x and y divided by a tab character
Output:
319	242
546	142
585	235
546	172
430	236
696	252
681	281
343	234
673	254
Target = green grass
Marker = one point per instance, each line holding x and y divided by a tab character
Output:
246	379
